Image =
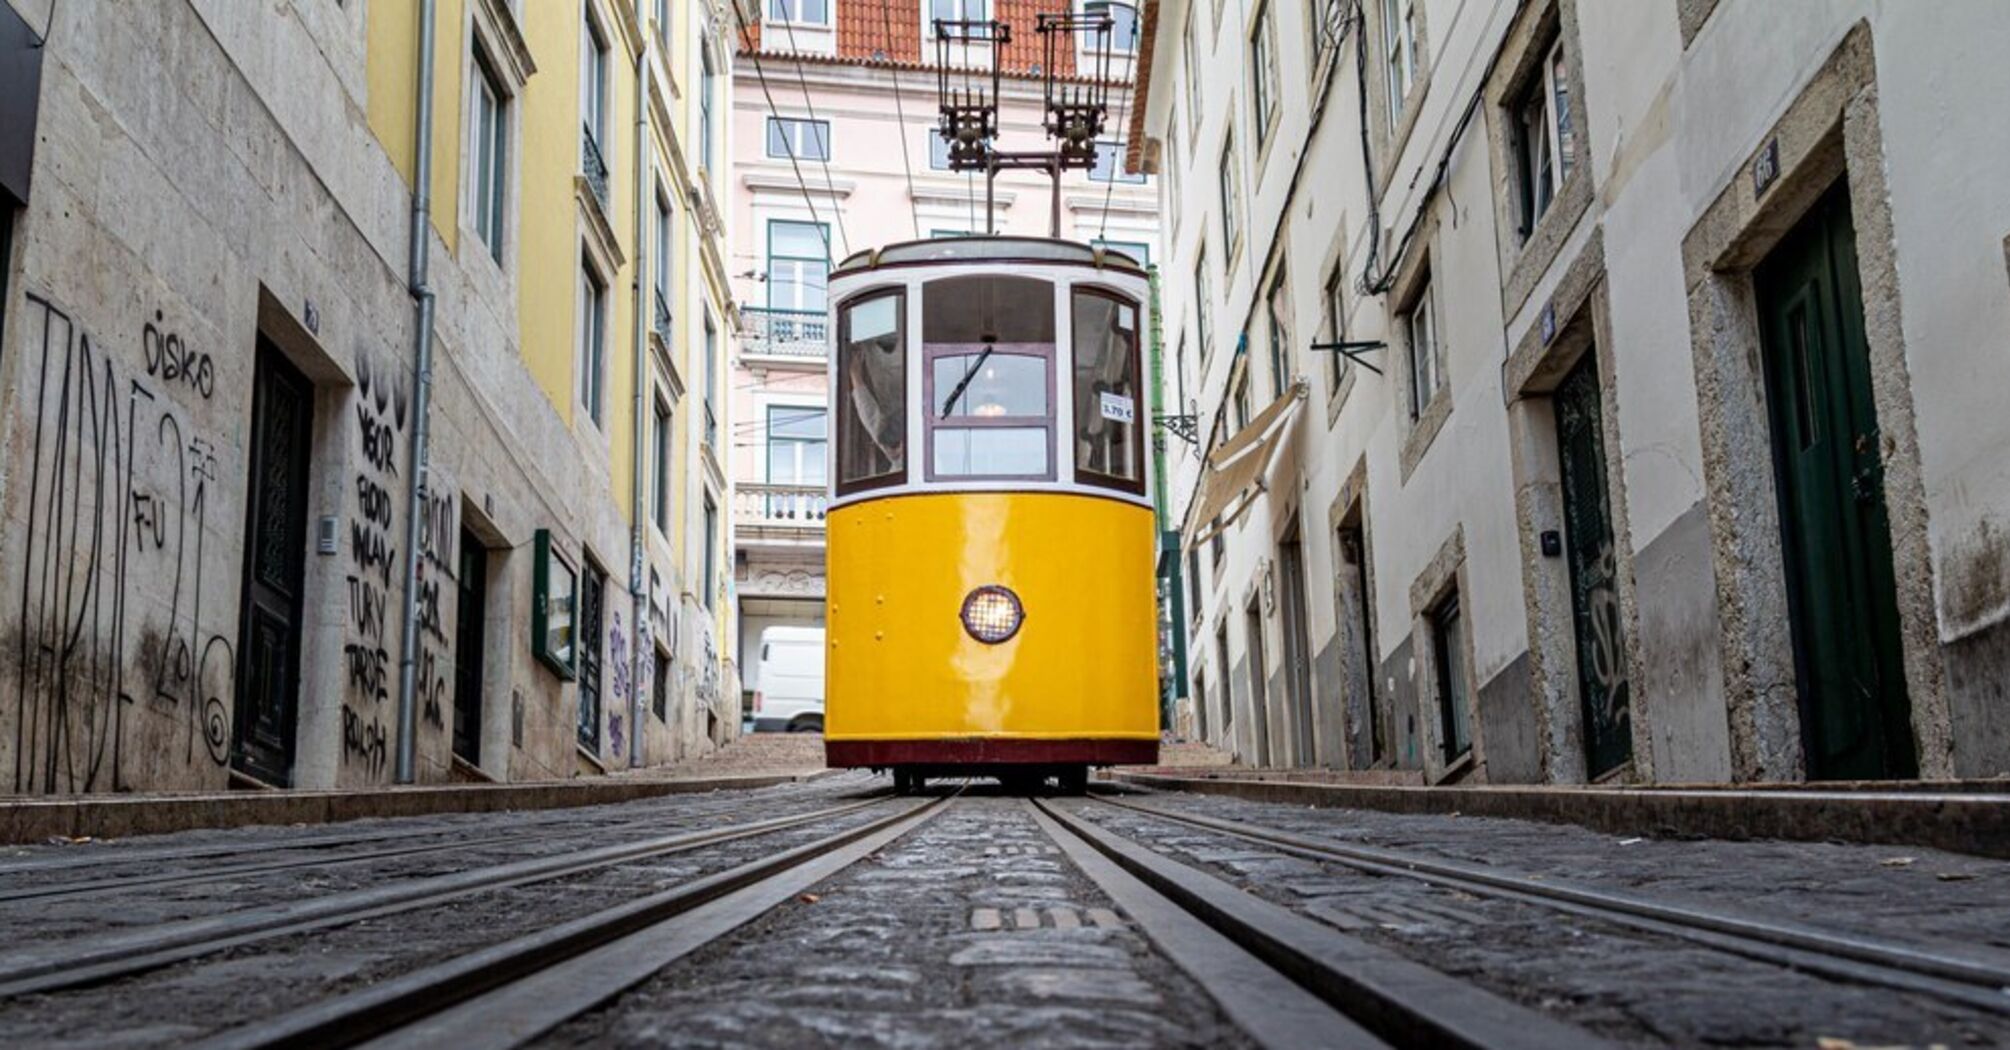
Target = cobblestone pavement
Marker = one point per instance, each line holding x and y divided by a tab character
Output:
974	930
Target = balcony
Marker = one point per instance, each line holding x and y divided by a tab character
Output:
784	338
592	165
783	514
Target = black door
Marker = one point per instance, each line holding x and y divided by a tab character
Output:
1602	685
1297	661
472	610
275	549
592	587
1855	717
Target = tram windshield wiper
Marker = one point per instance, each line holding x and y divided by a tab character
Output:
964	383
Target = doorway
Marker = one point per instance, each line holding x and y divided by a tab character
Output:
470	613
1297	646
1602	686
1259	719
1835	535
275	550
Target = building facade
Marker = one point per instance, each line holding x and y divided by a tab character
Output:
332	483
1589	391
835	152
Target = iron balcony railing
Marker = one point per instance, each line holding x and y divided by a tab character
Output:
596	166
784	333
787	506
662	325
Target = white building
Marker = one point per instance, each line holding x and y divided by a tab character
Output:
1681	462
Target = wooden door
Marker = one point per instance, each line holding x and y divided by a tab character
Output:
275	550
1602	685
471	611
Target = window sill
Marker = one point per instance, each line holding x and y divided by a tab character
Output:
1526	263
1424	429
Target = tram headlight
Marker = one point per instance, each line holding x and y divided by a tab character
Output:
992	614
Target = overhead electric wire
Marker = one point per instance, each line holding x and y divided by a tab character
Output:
824	154
761	74
1110	188
900	114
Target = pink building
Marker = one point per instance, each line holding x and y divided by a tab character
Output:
835	152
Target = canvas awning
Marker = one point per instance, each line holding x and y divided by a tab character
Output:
1235	472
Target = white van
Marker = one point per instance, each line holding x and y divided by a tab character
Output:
789	694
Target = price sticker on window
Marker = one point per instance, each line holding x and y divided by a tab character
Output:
1119	409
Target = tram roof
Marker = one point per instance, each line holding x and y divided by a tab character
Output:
979	249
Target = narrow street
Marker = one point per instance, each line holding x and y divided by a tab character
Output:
833	913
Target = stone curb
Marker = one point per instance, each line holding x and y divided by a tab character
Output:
1961	822
122	816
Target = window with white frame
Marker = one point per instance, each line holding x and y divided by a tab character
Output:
1169	181
1202	297
593	86
1243	414
1420	336
1231	196
662	9
1263	81
1123	35
938	151
1280	334
491	154
801	12
796	445
955	11
711	381
1190	47
1336	324
1545	144
801	139
798	265
1399	52
664	247
592	341
705	118
659	468
1109	165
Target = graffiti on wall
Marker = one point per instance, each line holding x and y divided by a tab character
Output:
373	555
118	497
617	659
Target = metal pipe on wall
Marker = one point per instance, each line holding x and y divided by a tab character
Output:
422	298
638	591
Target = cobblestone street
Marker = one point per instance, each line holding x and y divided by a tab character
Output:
836	913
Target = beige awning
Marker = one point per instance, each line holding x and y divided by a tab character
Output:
1235	471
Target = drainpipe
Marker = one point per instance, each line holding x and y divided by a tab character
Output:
638	591
1168	536
422	308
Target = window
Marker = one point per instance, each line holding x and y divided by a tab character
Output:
1123	37
1336	324
1179	375
1222	675
1107	392
1448	638
491	155
1231	197
988	381
957	11
1200	706
592	593
1241	395
1280	335
711	549
938	151
872	392
1263	73
593	84
592	341
659	688
705	129
805	12
663	29
1399	51
1169	180
1109	165
660	469
664	247
801	139
711	381
1217	556
1420	332
1545	145
796	445
798	263
1138	250
1191	57
1202	300
1193	579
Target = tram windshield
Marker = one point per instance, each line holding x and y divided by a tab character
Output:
872	392
988	352
1107	450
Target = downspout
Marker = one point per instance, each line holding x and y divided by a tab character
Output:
1168	533
422	308
638	591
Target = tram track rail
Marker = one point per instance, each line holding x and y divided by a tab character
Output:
1849	957
537	833
1287	980
509	993
95	959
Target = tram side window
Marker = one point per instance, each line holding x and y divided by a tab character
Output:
988	347
1107	392
872	393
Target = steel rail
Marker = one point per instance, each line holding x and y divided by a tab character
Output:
1846	956
1395	999
510	993
535	832
41	968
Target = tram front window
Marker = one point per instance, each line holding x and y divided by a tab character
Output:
988	343
1107	449
872	392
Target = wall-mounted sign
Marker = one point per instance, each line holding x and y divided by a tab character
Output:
554	609
1766	168
1548	323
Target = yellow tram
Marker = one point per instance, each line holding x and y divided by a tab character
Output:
990	527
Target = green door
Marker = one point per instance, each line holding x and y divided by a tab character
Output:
1855	719
1602	686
